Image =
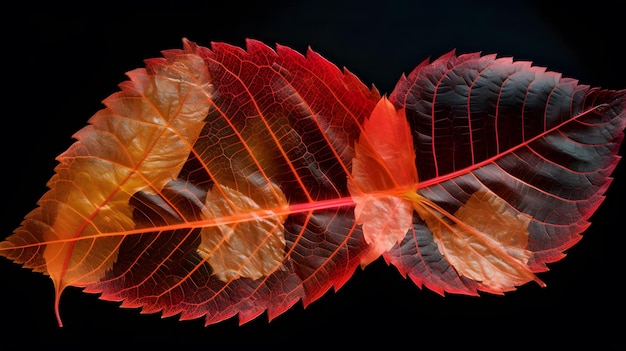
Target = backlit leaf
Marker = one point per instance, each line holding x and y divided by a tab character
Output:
225	181
383	171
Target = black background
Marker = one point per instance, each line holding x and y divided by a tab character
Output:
59	62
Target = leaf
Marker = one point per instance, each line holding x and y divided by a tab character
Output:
222	181
383	171
537	146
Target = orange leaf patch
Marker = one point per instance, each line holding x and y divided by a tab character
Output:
383	171
485	240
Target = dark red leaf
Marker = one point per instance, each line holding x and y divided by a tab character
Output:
543	144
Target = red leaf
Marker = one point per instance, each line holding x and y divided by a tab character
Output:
223	181
542	145
218	238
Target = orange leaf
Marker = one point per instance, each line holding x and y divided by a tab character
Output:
383	171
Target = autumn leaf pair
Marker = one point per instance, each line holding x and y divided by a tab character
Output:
223	181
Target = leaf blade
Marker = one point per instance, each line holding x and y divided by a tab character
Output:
310	177
491	97
383	172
